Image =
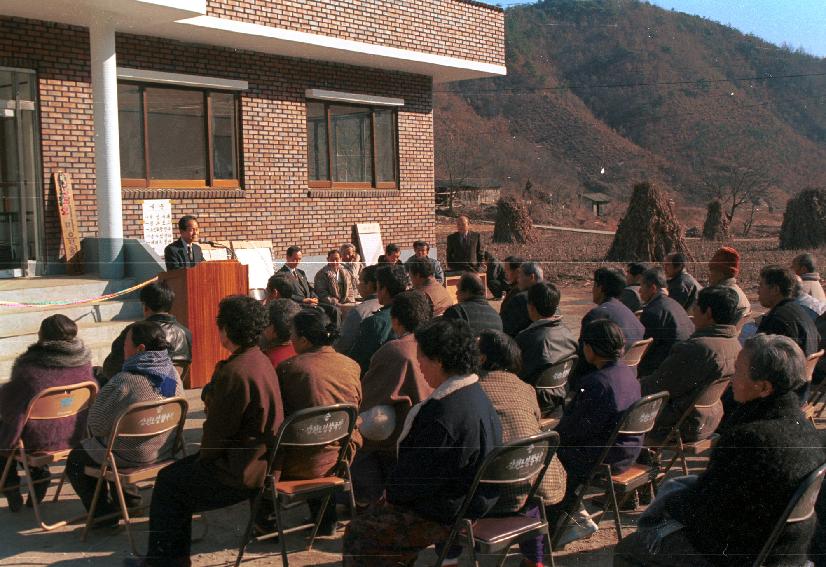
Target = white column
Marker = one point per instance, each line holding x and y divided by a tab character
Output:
107	148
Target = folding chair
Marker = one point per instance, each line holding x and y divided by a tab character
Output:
638	419
514	463
552	383
817	392
801	507
313	427
51	404
633	355
141	420
706	398
182	368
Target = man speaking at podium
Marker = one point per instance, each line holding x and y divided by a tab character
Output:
184	252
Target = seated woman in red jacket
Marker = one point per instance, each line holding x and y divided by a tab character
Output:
58	358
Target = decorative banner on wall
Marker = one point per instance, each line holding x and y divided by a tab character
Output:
157	223
68	221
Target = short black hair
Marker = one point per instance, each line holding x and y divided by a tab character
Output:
472	284
450	342
783	278
333	251
243	319
500	350
654	276
722	301
544	296
149	334
513	262
283	283
184	220
392	248
677	259
610	280
411	309
315	326
420	267
368	274
281	312
57	327
636	268
157	297
605	338
421	244
805	261
392	278
292	250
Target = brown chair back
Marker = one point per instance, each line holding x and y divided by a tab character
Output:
811	362
634	355
639	419
712	393
148	419
62	401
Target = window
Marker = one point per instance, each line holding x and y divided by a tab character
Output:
175	137
351	146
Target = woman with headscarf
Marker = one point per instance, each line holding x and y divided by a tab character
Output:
58	358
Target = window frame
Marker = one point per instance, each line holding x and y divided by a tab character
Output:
209	182
374	184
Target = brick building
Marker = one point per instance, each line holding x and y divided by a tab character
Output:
287	120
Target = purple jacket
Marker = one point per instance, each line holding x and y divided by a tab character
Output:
45	364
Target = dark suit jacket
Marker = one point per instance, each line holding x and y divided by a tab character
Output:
615	311
301	285
478	314
464	256
175	255
666	322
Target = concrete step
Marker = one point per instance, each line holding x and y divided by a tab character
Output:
29	290
25	321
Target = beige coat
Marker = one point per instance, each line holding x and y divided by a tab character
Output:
440	298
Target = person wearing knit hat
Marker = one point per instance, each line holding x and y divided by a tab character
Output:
722	271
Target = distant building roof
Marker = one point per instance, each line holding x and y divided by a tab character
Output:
597	197
470	183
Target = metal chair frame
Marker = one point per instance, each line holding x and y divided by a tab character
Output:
306	428
50	404
633	422
143	419
513	463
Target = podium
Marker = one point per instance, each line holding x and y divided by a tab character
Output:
198	291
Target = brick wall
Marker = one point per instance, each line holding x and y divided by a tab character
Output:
455	28
274	204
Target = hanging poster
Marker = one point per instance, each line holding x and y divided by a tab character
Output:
157	224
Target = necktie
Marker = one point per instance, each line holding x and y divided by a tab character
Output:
189	253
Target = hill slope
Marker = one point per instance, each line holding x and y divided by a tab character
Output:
602	93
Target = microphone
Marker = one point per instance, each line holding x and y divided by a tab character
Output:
219	245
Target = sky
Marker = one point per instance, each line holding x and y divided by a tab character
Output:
799	23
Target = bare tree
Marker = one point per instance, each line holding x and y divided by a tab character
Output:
735	186
456	161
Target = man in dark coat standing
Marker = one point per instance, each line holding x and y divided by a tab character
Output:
682	287
184	252
664	320
464	248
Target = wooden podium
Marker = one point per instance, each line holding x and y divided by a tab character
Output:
198	291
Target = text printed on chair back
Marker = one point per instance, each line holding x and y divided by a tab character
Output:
557	374
317	429
518	462
63	401
640	417
151	418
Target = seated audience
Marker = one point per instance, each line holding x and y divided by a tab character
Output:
317	376
472	306
156	300
392	385
58	358
444	441
392	255
814	308
693	364
608	286
496	276
421	249
275	339
515	404
776	292
464	248
804	266
147	375
725	516
722	271
511	266
244	412
665	321
514	312
631	294
421	276
545	342
591	417
351	262
280	286
376	330
333	284
368	305
302	292
682	287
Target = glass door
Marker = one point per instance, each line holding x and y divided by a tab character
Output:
21	237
